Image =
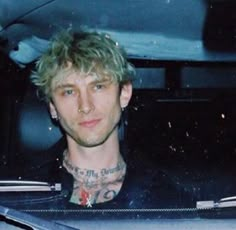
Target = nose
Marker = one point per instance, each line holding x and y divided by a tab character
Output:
85	104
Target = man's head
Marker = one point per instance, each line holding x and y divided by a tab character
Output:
85	52
85	77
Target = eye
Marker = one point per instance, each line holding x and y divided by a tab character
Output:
99	86
68	92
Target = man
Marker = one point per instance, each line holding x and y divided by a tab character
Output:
86	80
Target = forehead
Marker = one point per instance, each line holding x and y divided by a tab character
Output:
75	77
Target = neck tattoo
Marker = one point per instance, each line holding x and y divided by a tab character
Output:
91	186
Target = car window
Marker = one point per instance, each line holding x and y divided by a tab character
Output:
176	135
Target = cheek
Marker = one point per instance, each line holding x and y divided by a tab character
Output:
66	111
115	113
111	105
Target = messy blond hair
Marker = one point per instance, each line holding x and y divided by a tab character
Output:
87	52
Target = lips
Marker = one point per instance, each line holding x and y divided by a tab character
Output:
89	123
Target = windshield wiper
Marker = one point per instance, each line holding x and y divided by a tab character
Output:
222	203
27	186
32	221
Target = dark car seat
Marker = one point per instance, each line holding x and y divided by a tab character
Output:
36	132
35	138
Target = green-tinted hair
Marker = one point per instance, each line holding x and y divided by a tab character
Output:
86	52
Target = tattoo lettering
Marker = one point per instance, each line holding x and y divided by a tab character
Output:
91	173
119	167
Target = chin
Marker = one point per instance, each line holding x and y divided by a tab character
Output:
95	139
91	143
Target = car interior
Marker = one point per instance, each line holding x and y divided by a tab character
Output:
182	115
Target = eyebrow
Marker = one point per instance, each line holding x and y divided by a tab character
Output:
60	86
104	80
71	85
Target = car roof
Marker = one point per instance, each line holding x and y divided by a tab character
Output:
154	29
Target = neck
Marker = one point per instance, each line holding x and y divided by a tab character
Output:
95	177
106	155
91	186
98	171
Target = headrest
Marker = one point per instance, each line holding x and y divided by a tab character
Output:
36	131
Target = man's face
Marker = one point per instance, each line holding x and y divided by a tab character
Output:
88	107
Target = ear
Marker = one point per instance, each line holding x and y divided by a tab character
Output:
52	110
125	94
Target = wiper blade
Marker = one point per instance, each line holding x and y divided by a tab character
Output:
27	186
32	221
222	203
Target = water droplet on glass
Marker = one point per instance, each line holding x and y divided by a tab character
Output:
172	148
